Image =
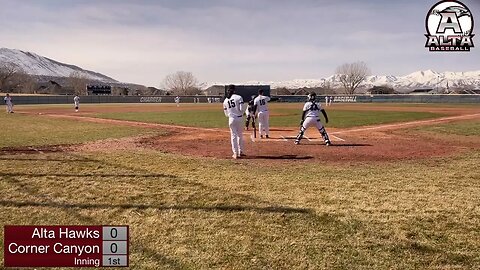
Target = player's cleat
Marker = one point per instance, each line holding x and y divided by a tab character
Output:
234	156
328	143
261	136
242	155
266	136
297	142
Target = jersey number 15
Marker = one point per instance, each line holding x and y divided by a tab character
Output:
231	103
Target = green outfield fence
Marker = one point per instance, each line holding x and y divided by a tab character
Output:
38	99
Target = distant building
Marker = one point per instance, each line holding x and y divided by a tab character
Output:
99	90
51	87
421	91
380	90
302	91
155	91
215	90
281	91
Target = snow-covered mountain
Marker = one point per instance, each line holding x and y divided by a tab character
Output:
35	64
415	80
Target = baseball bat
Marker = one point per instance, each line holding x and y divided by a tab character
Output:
254	128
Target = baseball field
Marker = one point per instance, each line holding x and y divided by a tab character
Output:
398	189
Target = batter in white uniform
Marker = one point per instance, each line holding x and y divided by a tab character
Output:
233	109
310	117
263	116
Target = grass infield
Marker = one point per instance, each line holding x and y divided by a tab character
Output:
280	117
465	128
27	130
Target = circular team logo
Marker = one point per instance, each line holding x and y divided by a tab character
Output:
449	26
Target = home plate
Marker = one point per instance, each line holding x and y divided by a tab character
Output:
312	139
337	138
281	139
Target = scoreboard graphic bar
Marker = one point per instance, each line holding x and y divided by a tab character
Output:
66	246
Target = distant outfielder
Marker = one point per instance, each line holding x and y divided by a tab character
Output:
233	109
76	102
177	100
8	103
261	102
310	117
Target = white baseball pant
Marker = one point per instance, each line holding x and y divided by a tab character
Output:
263	125
9	107
236	132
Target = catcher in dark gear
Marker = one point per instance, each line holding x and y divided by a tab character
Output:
250	113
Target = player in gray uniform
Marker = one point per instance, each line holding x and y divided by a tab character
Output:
9	103
76	102
310	117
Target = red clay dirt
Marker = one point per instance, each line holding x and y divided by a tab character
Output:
360	144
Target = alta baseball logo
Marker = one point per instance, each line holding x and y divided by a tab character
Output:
449	26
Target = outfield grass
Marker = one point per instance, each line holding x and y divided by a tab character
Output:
187	213
28	130
280	117
465	128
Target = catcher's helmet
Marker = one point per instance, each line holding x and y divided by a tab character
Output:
312	96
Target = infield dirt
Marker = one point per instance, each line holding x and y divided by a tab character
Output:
377	143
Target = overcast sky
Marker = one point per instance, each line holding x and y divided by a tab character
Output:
230	40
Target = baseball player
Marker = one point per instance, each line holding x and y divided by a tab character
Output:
76	102
261	102
177	100
250	113
233	109
8	103
310	117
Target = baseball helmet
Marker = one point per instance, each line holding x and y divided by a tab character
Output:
231	90
312	96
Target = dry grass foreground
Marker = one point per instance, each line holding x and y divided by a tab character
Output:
191	213
204	213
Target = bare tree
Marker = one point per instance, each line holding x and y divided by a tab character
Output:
7	72
327	88
78	82
25	83
352	75
181	83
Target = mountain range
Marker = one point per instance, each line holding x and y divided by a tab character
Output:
35	64
427	79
